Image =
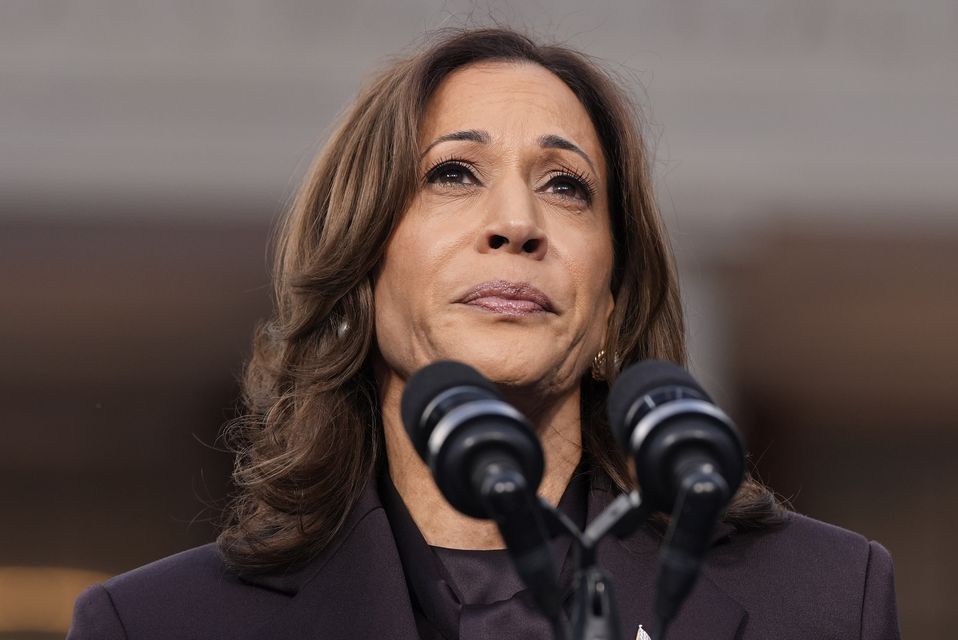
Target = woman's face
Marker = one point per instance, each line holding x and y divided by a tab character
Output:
504	258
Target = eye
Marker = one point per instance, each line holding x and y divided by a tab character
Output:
572	185
451	172
568	188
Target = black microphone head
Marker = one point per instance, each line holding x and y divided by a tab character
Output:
659	416
461	427
423	387
639	380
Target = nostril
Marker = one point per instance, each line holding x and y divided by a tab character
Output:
530	246
497	241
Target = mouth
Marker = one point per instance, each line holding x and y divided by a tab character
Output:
508	298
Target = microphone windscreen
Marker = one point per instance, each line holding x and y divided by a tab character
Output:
427	383
637	381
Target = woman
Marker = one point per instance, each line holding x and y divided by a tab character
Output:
487	200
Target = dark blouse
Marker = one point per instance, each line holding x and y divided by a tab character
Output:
469	594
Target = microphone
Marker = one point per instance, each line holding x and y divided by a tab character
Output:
689	461
487	462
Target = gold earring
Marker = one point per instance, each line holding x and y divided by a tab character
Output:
598	365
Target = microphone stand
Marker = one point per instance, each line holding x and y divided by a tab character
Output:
594	612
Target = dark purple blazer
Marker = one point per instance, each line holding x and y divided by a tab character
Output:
803	579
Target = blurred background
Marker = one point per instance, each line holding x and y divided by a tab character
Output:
806	156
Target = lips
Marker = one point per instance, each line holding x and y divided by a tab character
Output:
510	298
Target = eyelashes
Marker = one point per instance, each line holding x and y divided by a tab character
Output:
565	182
447	171
585	183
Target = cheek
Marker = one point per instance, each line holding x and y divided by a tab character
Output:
396	283
592	269
593	273
393	313
603	258
401	260
406	285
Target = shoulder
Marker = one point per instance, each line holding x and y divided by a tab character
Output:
817	550
190	594
803	541
817	576
193	594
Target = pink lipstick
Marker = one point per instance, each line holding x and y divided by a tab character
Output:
508	298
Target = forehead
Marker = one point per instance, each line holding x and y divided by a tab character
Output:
508	98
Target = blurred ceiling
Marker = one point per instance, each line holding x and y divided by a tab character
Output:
753	107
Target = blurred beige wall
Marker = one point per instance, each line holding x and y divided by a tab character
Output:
805	152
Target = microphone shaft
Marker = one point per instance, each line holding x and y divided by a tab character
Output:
703	494
507	498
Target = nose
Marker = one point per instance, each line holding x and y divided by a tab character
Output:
513	224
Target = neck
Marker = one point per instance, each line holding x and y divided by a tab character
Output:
559	430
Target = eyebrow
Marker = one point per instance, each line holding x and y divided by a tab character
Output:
553	141
471	135
548	141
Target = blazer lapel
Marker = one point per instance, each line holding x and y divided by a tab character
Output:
354	589
632	563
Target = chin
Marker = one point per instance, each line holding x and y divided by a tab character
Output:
508	367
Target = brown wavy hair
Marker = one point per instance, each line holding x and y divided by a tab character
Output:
311	437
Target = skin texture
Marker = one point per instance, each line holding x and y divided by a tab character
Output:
508	204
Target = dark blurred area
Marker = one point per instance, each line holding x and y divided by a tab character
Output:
122	343
805	158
